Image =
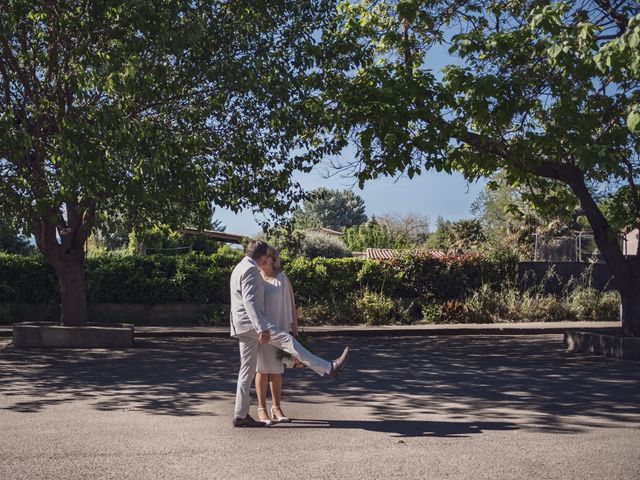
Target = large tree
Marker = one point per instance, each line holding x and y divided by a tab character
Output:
333	209
149	110
546	92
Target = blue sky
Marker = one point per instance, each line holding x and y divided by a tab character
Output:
431	194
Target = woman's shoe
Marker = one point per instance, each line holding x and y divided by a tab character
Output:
279	417
262	413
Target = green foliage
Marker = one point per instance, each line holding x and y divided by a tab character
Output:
154	279
318	244
453	288
466	235
371	235
27	280
162	239
150	113
374	308
286	240
333	209
441	238
154	118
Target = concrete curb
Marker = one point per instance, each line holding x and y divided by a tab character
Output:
534	328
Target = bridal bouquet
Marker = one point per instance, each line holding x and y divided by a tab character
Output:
287	360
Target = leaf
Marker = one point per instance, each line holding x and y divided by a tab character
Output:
633	121
555	51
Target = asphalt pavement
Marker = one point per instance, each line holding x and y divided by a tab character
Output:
432	407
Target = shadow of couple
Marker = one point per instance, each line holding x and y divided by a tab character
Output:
406	428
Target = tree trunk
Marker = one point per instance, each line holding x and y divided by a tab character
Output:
73	288
626	272
62	240
630	294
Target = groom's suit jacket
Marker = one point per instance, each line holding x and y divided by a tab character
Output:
247	299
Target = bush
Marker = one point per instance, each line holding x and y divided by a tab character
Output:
316	244
590	304
431	312
374	308
27	280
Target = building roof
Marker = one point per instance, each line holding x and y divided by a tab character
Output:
219	236
328	231
389	253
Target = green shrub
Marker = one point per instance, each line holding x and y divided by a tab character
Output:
27	280
374	308
330	312
590	304
316	244
431	312
153	279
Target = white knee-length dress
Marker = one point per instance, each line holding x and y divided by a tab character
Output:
279	310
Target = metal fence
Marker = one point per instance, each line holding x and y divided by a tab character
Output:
577	248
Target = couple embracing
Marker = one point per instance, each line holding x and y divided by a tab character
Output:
262	315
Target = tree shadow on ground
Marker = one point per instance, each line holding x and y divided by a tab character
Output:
160	377
528	382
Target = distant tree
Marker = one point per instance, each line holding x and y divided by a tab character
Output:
287	240
409	228
466	235
334	209
510	218
372	235
440	239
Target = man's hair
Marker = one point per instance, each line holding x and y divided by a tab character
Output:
256	249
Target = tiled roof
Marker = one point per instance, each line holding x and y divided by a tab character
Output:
328	231
381	253
389	253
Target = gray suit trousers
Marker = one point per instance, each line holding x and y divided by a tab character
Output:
249	359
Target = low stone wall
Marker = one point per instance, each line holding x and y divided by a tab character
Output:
607	344
92	335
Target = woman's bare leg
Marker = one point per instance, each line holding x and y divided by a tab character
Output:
275	382
262	379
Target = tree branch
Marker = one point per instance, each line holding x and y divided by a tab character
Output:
620	20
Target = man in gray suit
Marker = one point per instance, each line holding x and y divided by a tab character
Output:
250	326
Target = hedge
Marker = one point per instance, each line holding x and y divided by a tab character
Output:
427	288
197	278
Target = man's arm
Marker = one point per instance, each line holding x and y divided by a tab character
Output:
253	299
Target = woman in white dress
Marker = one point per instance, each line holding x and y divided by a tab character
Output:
280	308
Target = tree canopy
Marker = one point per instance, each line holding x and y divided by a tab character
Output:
151	110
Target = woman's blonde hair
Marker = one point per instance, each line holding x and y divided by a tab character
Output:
273	253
